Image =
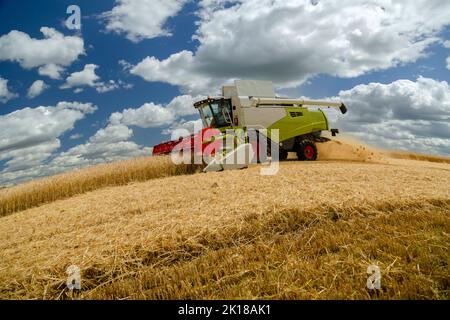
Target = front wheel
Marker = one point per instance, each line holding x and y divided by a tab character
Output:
306	151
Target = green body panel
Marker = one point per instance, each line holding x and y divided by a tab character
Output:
299	121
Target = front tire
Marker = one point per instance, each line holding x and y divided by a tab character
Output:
306	150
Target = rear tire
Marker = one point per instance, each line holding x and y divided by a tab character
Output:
306	150
283	154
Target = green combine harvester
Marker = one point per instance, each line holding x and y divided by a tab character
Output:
249	110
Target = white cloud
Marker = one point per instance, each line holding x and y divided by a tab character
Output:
179	69
51	70
36	88
106	87
152	69
125	64
183	128
88	78
111	134
184	105
151	115
5	94
290	41
76	136
403	114
23	159
108	144
141	19
448	63
29	136
86	108
95	153
32	126
127	86
146	116
51	53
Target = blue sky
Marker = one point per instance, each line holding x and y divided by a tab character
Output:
376	60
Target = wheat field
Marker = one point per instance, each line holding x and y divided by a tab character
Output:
309	232
65	185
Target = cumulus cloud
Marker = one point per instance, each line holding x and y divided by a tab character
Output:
406	115
106	87
95	153
5	94
85	77
141	19
51	70
290	41
183	128
184	105
36	89
146	116
151	115
51	53
112	133
88	78
32	126
108	144
29	136
179	69
448	63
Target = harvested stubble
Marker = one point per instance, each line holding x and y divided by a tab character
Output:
308	232
65	185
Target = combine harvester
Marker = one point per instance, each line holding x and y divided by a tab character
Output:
258	123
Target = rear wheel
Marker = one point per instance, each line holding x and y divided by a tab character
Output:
306	150
283	154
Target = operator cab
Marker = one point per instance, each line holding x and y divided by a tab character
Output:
215	112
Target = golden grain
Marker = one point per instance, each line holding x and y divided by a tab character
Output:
65	185
308	232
